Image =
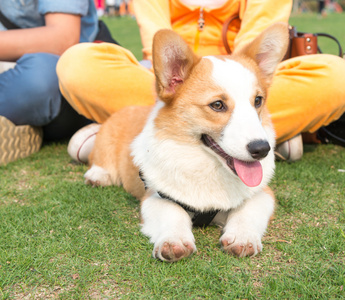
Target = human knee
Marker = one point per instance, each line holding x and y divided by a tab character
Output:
31	92
71	63
332	85
39	75
331	67
336	67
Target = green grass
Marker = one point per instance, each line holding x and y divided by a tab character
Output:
126	32
62	239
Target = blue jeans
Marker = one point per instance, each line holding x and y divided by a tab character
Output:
29	95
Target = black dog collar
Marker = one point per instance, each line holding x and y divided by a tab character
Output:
199	219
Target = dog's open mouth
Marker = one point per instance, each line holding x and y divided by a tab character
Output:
249	172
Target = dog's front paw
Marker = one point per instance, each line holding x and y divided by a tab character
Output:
173	250
243	244
97	176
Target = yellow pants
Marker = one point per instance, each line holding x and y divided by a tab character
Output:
98	79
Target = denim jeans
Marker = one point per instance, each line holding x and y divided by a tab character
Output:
29	95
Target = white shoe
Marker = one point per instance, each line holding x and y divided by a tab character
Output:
82	142
290	150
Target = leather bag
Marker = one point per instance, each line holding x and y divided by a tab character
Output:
303	43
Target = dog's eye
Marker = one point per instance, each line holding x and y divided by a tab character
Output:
258	101
218	106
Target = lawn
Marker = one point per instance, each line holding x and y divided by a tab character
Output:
61	239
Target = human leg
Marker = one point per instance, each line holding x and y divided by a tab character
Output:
307	93
99	79
29	93
65	124
29	99
17	141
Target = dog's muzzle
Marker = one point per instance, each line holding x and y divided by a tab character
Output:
250	173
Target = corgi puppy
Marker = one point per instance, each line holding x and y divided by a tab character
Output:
204	151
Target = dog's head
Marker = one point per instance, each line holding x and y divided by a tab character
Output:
219	101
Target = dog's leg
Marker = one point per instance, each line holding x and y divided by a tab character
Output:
246	225
169	227
97	176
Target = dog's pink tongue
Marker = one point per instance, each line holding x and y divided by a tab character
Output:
249	172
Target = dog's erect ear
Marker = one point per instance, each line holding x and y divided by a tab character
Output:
269	48
172	62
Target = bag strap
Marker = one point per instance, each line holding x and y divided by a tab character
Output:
225	31
326	136
334	39
7	23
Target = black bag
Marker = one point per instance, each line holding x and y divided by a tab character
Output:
104	34
334	133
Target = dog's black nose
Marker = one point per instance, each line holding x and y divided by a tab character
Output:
258	149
